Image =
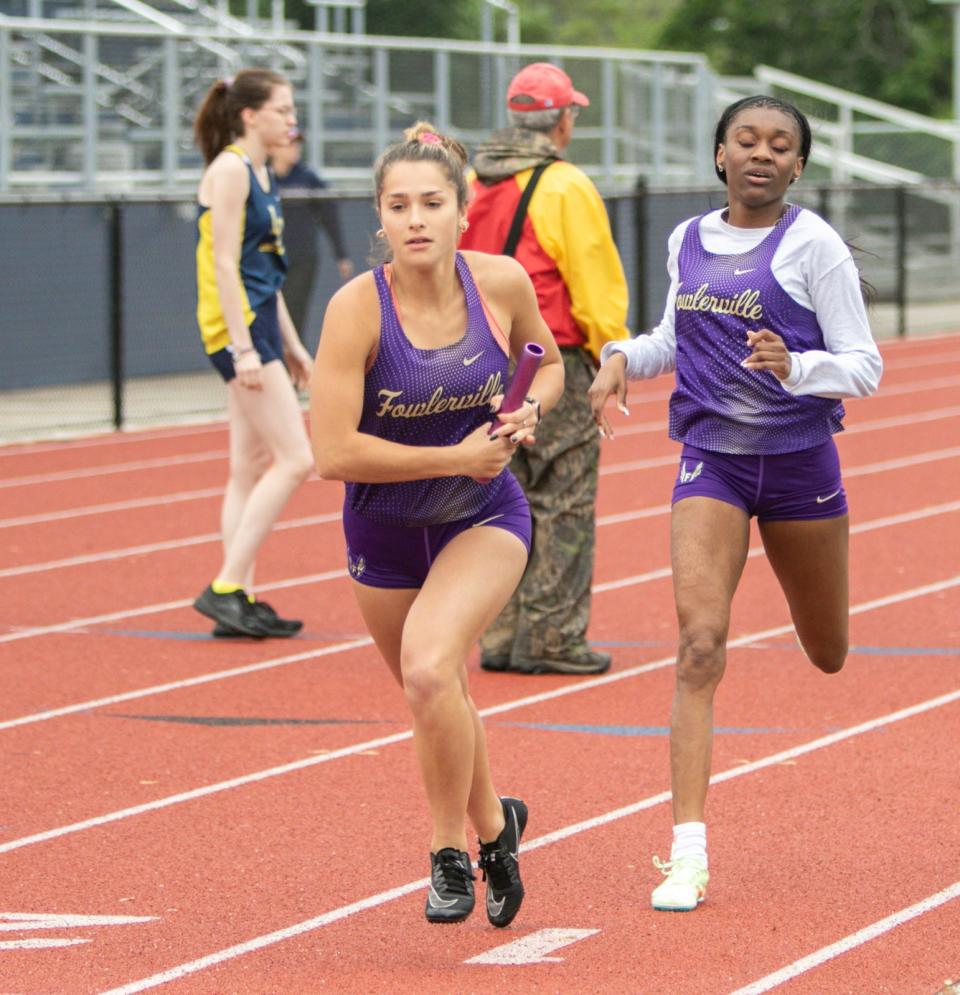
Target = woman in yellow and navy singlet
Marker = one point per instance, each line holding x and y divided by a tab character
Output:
263	267
248	335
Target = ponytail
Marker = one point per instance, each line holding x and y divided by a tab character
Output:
218	121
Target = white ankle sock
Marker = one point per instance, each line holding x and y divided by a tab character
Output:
689	840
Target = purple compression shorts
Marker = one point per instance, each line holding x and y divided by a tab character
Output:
401	555
782	487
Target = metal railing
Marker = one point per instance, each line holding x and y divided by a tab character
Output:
108	106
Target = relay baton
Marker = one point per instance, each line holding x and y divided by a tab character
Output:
516	392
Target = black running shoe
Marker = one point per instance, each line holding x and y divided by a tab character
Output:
500	864
233	611
272	623
450	898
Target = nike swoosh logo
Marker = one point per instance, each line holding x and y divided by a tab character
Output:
487	521
495	908
436	902
472	359
740	272
822	500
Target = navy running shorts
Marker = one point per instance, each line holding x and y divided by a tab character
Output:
266	338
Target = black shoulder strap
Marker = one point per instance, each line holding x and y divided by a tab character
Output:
516	226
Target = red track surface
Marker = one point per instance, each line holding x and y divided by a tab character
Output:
283	849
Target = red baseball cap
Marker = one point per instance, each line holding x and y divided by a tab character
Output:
542	87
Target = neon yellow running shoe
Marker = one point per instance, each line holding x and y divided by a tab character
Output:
685	887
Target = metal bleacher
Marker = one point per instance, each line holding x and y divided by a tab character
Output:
100	96
101	93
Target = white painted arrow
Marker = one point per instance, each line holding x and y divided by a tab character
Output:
533	949
23	921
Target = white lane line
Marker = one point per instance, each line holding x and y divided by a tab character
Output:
898	421
15	921
941	359
208	678
904	518
902	462
78	624
533	948
640	464
917	343
918	386
850	942
630	429
636	579
157	547
101	471
347	751
599	588
114	439
130	505
296	523
258	943
651	511
897	463
915	386
102	509
39	944
874	425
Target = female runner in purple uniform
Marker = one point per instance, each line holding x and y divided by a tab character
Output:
412	362
766	328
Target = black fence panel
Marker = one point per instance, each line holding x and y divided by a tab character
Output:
101	294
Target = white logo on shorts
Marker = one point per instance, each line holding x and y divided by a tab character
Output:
823	500
686	476
356	565
487	521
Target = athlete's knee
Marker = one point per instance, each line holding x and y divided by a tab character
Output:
298	465
427	681
249	467
702	655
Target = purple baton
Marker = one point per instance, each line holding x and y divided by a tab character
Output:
523	374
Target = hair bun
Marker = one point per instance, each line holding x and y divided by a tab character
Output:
424	133
413	133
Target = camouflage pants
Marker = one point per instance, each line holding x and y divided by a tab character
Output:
548	614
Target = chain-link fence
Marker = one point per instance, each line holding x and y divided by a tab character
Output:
98	320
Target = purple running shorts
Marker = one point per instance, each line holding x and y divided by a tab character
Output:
782	487
400	556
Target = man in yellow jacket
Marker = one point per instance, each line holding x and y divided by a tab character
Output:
561	235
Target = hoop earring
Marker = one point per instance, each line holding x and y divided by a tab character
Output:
380	233
464	225
720	168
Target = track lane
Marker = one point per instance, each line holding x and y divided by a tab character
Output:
512	738
604	862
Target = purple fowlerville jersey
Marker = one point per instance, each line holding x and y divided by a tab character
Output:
429	397
718	405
